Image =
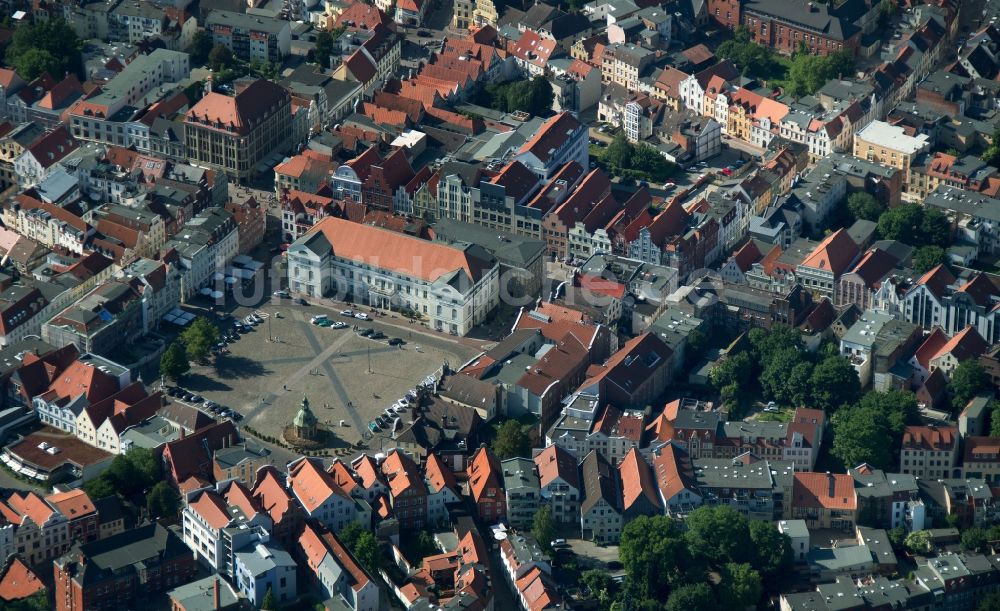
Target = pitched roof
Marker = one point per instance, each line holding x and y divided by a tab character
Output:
311	484
397	252
930	347
403	475
484	472
438	475
192	455
874	266
551	136
241	112
834	253
600	481
212	508
937	280
673	470
555	462
832	491
270	492
18	581
53	146
73	504
966	344
930	437
637	480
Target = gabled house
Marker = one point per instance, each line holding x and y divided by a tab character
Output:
559	479
320	496
335	570
486	486
601	515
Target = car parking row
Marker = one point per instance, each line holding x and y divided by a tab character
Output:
321	320
197	401
387	420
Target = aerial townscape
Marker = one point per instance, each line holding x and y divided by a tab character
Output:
499	305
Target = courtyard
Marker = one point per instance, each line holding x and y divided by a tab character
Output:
349	380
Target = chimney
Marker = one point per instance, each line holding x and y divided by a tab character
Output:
215	593
208	84
830	484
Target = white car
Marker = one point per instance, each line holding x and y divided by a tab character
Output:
361	316
338	325
315	319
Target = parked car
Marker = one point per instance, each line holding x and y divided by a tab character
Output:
366	332
348	313
281	294
377	335
197	399
338	325
315	319
373	427
299	301
362	316
423	34
395	341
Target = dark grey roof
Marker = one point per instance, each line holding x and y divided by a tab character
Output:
510	249
837	24
600	481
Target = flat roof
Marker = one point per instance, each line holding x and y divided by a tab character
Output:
892	137
71	450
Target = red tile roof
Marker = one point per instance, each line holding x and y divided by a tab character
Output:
555	462
397	252
835	253
311	484
18	581
833	491
637	480
551	136
241	112
929	438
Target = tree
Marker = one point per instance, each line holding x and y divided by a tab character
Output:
718	534
201	46
100	487
766	343
736	369
918	542
268	602
220	58
751	58
741	586
990	603
935	228
200	337
775	376
35	62
691	596
864	206
366	551
174	361
897	538
598	582
927	258
511	441
872	430
967	380
148	467
123	473
543	528
619	152
324	47
163	500
834	382
974	539
772	549
799	383
349	534
655	557
914	224
901	223
39	601
995	420
45	46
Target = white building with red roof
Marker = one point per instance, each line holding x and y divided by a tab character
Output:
455	288
336	570
939	299
320	496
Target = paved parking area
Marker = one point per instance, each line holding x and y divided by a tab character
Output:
345	376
